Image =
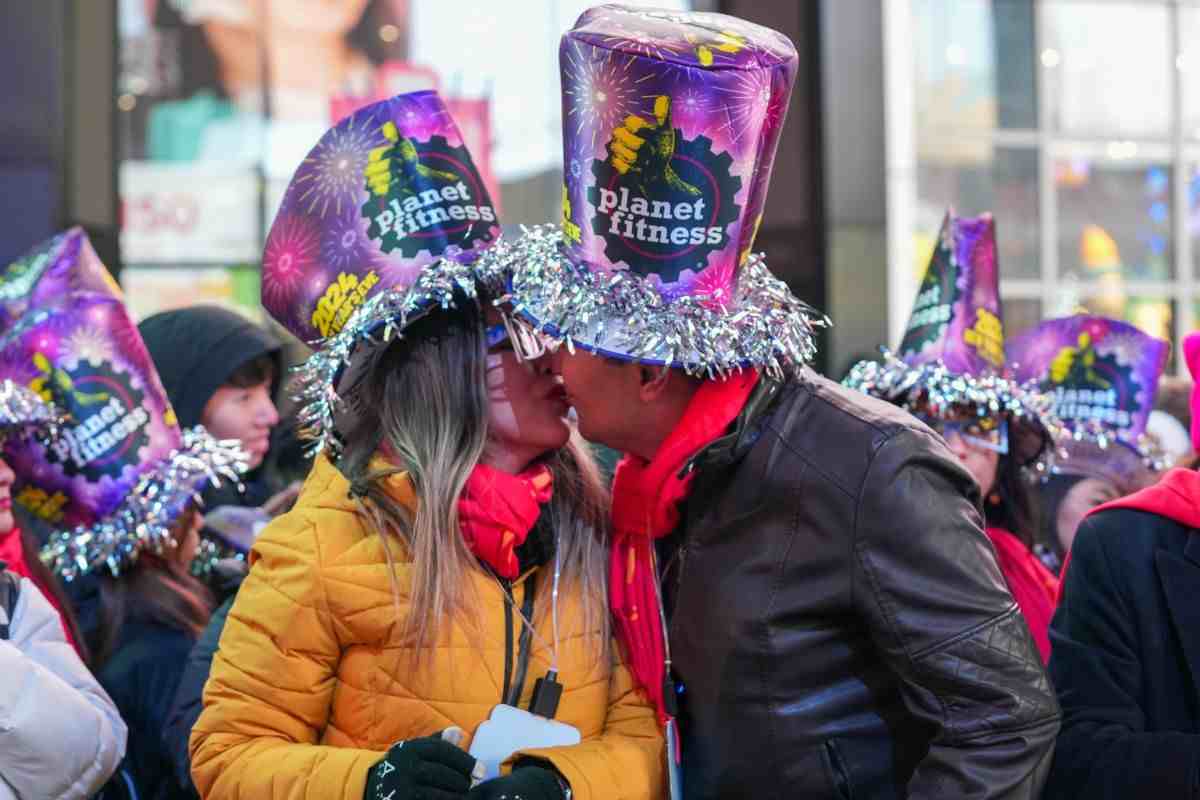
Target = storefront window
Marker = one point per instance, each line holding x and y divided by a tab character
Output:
1076	122
998	179
220	100
1114	220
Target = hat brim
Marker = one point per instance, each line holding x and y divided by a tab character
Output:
622	315
376	323
934	390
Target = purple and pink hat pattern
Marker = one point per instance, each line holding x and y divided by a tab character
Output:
957	317
1100	371
670	126
49	272
385	192
85	355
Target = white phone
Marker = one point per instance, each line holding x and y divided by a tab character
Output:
509	729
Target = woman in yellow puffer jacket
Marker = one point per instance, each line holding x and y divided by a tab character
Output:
410	591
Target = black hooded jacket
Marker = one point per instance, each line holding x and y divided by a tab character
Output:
196	350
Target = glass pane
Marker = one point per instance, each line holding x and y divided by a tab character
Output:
1193	221
1188	64
959	48
974	177
1114	220
1020	314
1108	68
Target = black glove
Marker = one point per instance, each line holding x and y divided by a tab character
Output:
429	768
523	783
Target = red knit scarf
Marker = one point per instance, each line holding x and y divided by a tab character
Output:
497	510
646	497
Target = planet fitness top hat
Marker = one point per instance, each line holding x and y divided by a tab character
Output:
1102	375
121	471
382	221
951	362
670	126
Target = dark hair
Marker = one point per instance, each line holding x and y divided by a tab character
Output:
154	589
1010	503
254	372
45	579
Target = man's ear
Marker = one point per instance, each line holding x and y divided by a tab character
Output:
653	382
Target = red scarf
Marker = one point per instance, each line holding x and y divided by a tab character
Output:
497	510
13	555
645	507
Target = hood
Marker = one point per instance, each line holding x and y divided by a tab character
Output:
1176	497
196	349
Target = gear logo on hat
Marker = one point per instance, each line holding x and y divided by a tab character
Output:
1101	372
662	197
422	189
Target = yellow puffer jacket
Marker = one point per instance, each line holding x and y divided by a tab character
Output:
310	686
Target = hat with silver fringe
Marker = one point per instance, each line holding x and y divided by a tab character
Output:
670	127
382	222
1101	375
119	472
951	362
23	413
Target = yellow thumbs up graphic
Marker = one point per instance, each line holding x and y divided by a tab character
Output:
644	150
398	162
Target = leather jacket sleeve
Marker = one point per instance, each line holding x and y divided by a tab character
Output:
927	583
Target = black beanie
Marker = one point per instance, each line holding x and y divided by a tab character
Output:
196	349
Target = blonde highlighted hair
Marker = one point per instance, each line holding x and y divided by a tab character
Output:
421	403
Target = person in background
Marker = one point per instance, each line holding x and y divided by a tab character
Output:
952	378
223	371
60	734
124	490
443	569
1102	375
1126	639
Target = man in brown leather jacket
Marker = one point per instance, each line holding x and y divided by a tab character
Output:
837	623
832	620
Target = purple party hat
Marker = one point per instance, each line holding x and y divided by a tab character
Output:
383	221
50	271
1102	375
951	361
384	194
670	126
120	471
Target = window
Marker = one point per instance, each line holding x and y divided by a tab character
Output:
1077	122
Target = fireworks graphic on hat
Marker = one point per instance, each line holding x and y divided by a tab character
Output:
630	39
292	249
344	243
334	169
601	91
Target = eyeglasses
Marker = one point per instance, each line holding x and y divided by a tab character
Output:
527	342
990	434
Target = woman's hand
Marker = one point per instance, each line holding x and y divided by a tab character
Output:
523	783
430	768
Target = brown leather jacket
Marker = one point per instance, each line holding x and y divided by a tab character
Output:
838	622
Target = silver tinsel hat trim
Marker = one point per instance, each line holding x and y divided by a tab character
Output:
144	519
1035	434
624	315
24	412
1094	450
378	321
